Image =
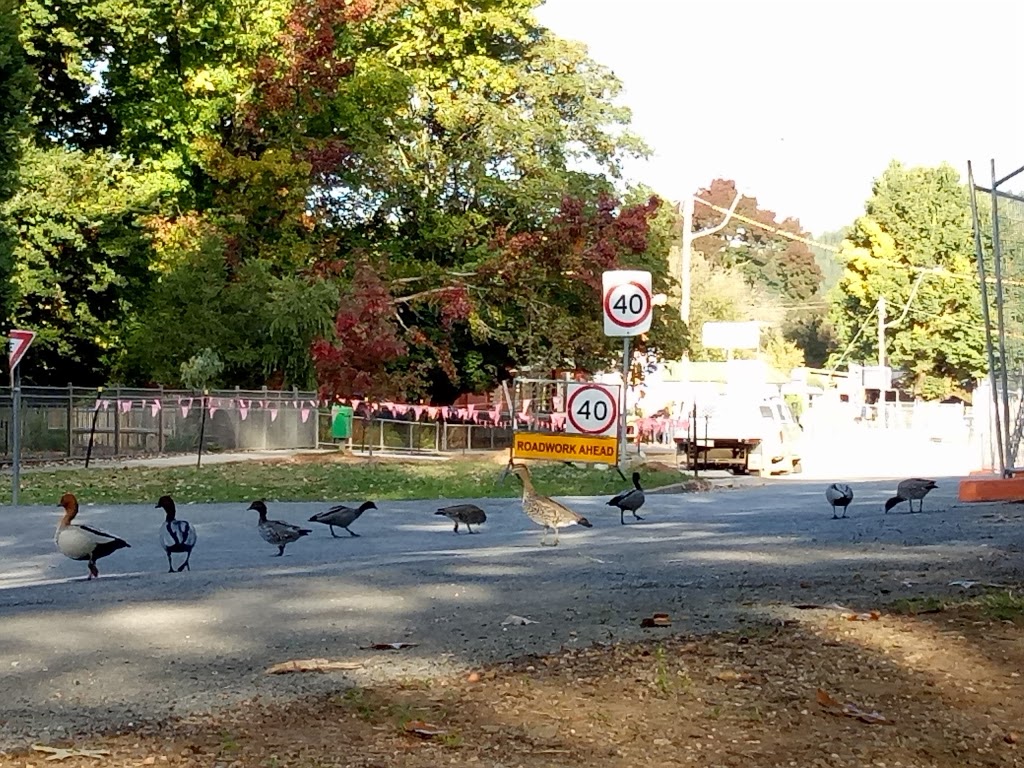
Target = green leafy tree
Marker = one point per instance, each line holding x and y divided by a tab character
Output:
15	89
914	247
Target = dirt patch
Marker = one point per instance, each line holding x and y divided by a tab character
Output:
947	684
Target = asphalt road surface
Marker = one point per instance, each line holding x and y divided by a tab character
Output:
141	644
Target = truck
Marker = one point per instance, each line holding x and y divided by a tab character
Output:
746	435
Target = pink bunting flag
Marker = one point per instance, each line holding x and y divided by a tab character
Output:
186	406
214	405
263	405
432	412
417	411
125	406
101	405
401	410
243	409
155	407
356	404
557	421
471	409
496	414
314	404
462	413
305	415
273	414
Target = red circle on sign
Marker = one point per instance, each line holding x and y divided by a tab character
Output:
613	410
632	323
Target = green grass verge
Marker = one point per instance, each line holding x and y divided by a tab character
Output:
999	604
244	481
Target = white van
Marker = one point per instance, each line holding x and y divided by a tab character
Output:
741	433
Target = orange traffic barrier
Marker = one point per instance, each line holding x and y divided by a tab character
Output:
990	487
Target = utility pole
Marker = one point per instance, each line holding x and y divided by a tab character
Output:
881	332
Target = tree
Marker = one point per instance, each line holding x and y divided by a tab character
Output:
917	220
15	88
783	264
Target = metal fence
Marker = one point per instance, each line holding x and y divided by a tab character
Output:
425	437
71	422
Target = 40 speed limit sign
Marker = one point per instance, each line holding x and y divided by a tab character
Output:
591	409
628	301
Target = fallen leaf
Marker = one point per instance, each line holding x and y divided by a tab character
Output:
310	665
833	706
60	753
389	646
423	729
516	621
870	616
657	620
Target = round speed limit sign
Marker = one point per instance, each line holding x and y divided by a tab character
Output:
591	410
627	300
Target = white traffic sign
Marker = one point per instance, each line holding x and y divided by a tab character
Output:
17	346
627	302
591	409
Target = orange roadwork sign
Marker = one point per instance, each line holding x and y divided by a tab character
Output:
560	447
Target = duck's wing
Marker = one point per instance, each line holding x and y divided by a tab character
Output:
99	536
177	533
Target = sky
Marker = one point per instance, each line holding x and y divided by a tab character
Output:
805	102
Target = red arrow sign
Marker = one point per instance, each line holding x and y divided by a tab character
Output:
17	347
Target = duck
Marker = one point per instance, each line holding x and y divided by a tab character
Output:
81	542
275	532
467	514
176	536
909	490
546	511
839	495
342	517
629	501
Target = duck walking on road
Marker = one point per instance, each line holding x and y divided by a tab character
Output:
342	517
81	542
275	532
545	511
629	501
176	536
909	490
467	514
839	495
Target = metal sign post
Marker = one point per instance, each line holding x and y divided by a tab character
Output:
628	303
17	344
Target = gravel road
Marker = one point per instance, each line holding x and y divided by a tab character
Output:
140	644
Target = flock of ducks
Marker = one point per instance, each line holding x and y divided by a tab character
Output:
909	490
178	537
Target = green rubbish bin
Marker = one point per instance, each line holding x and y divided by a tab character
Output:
341	422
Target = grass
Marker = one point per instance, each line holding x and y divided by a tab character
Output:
998	604
318	481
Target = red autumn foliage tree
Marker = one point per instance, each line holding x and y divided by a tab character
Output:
535	300
785	265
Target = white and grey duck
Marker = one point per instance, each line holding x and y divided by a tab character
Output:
276	532
82	542
467	514
176	536
342	517
629	501
839	495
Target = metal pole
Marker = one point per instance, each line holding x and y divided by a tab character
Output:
202	431
16	422
686	259
881	332
997	253
92	429
623	443
983	282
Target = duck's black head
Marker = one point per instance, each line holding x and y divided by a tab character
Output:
367	505
166	503
259	506
636	479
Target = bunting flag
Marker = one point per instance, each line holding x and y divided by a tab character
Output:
155	407
557	420
125	406
496	414
273	414
214	405
417	411
305	415
186	406
102	404
243	409
401	410
356	404
432	412
462	413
